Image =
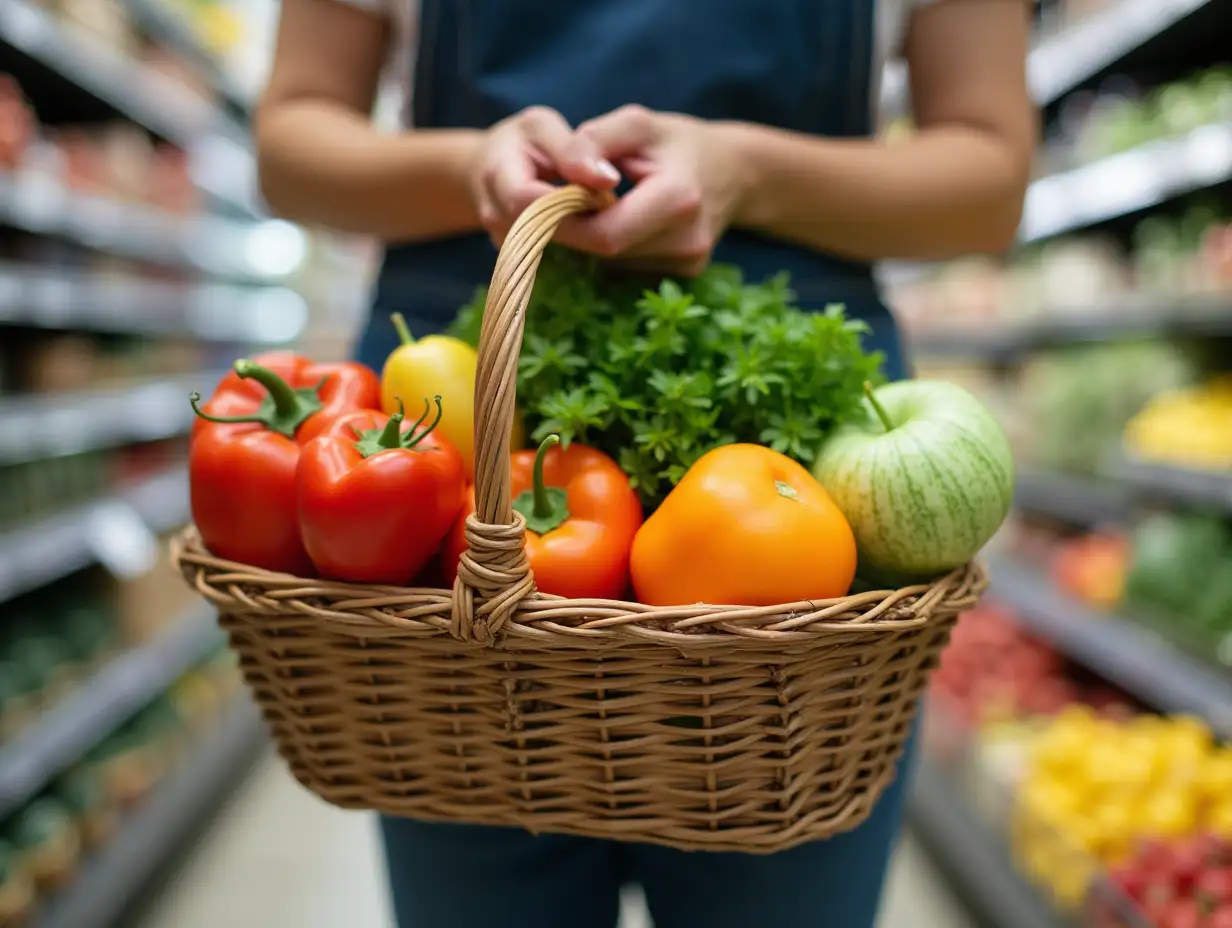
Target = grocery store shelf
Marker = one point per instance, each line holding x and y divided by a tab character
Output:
168	27
1080	501
262	250
975	861
63	298
112	881
124	85
1136	659
49	425
1127	182
118	691
1129	316
1201	489
117	530
1071	57
1065	60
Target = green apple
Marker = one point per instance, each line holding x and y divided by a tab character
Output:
925	479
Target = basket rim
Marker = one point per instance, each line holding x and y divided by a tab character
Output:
542	620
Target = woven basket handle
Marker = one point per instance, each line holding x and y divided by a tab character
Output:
494	575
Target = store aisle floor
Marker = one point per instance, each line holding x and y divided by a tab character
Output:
281	859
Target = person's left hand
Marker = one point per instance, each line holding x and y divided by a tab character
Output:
688	183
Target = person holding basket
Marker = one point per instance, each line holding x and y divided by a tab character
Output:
732	130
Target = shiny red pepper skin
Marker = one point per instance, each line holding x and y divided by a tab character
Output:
374	507
242	474
345	387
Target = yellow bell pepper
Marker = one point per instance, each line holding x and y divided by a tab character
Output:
438	364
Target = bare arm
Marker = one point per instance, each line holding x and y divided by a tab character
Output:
956	186
320	159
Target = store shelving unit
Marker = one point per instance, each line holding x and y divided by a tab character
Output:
215	245
1195	488
37	427
1065	60
222	279
1080	501
112	81
107	700
1131	317
115	878
220	312
1127	182
168	27
116	529
974	861
1135	658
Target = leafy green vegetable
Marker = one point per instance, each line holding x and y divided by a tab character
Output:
656	378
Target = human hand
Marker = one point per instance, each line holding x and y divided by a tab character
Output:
688	179
519	160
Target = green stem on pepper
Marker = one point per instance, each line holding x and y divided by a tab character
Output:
284	408
544	508
403	330
390	437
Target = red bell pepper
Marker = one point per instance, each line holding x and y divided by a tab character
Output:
377	495
321	393
581	515
246	446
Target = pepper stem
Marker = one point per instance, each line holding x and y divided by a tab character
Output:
391	437
284	408
403	330
544	508
878	408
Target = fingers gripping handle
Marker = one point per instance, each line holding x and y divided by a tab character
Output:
493	575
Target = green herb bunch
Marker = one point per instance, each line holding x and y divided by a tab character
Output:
657	378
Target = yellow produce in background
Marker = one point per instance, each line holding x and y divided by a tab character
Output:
1094	786
444	366
1187	428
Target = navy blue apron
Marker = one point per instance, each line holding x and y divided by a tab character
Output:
804	65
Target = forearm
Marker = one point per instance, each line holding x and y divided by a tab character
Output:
323	164
945	192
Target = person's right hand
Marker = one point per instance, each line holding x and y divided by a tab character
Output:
520	160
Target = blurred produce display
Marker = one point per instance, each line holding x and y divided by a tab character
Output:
1186	427
1092	567
1186	884
1085	276
1075	403
1181	575
1127	114
1092	787
49	841
995	672
49	645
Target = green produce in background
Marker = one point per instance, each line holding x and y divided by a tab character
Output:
1180	575
1076	402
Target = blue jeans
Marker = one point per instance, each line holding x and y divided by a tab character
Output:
471	876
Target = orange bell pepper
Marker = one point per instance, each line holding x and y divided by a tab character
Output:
746	526
581	517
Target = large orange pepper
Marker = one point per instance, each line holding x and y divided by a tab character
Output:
581	516
746	526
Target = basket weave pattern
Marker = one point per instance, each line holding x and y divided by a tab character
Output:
700	727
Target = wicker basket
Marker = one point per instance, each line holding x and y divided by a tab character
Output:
704	727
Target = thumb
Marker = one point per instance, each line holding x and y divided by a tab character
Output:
552	136
598	142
